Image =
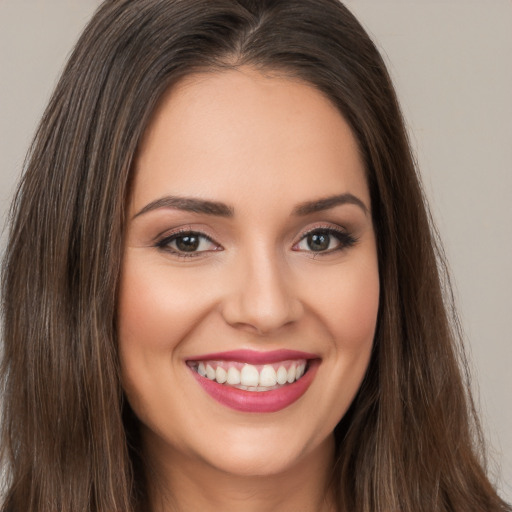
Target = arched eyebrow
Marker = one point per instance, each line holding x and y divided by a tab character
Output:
189	204
194	205
326	203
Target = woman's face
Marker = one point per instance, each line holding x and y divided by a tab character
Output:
250	260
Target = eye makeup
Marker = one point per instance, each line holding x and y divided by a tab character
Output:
319	240
187	243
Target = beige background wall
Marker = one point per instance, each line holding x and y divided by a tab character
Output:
451	62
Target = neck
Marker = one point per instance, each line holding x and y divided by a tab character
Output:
181	484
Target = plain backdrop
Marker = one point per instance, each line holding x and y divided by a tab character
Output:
451	61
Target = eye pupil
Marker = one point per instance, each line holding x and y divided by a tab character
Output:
187	243
318	241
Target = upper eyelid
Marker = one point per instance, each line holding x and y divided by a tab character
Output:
168	235
348	236
164	244
198	231
172	236
182	232
176	232
323	227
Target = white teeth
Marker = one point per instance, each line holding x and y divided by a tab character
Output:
221	375
291	374
282	375
210	372
233	376
252	377
268	376
249	375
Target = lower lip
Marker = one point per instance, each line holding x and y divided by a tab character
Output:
259	401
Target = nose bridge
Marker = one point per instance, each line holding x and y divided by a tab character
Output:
262	297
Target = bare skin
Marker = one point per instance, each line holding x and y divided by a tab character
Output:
302	488
285	260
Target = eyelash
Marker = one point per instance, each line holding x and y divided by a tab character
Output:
345	241
164	244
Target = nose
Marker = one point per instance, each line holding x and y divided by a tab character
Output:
261	298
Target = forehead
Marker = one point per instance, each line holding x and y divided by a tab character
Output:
238	134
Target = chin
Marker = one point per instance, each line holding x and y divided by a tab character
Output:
256	463
267	454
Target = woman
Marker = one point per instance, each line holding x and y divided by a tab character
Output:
221	289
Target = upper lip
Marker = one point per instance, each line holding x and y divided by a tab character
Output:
254	356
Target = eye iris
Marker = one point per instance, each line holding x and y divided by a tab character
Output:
187	243
318	241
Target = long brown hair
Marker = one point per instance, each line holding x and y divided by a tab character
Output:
410	441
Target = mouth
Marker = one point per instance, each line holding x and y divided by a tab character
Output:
251	377
252	381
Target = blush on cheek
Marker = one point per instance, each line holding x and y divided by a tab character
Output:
363	319
354	312
155	308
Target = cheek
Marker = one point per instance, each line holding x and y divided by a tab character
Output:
347	302
352	319
358	303
154	316
157	307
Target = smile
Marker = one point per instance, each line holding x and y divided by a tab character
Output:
251	381
251	377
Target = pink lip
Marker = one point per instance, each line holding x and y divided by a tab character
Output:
255	357
263	401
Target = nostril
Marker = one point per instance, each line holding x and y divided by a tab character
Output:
261	298
261	317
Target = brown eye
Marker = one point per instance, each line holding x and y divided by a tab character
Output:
318	241
188	243
325	240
